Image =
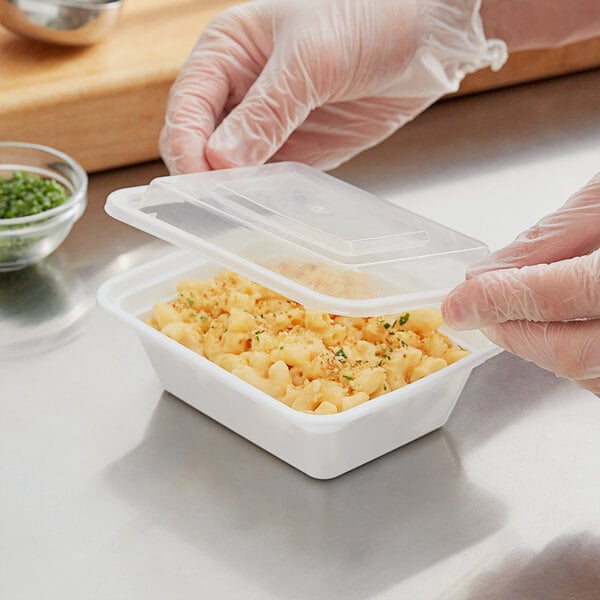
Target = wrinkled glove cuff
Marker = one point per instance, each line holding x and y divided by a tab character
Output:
452	45
454	35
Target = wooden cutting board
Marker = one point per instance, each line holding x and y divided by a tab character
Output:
105	104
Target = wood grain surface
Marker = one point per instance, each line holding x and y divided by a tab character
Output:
105	104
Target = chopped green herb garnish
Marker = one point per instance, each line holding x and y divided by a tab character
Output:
203	318
403	343
257	334
341	353
461	347
348	377
25	194
384	387
190	302
387	325
403	318
281	347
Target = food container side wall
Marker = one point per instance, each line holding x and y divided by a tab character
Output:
320	454
380	432
303	449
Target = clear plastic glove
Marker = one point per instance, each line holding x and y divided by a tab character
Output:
540	296
317	81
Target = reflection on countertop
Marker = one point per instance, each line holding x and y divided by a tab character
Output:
352	537
568	563
41	307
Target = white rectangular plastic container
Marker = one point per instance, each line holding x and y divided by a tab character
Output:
322	446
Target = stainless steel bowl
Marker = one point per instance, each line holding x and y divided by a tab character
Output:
67	22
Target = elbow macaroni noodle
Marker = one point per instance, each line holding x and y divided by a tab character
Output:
312	361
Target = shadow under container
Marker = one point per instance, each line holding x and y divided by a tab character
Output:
259	220
27	240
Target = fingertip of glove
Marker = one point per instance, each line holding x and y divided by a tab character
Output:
218	159
478	269
452	312
182	153
489	263
223	152
463	308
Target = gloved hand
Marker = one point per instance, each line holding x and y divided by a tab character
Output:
317	81
540	296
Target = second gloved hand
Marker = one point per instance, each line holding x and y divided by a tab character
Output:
540	296
317	81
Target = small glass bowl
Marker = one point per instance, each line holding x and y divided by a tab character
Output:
27	240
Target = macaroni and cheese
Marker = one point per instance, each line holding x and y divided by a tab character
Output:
312	361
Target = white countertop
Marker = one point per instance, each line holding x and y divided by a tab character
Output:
111	488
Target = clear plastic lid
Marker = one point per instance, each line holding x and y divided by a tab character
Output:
305	234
